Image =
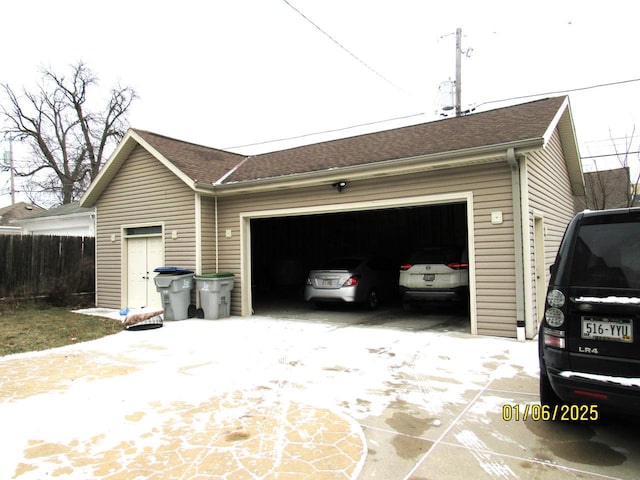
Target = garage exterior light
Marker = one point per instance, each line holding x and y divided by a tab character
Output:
339	185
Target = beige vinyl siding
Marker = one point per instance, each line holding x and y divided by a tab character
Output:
208	235
229	248
550	195
494	253
144	192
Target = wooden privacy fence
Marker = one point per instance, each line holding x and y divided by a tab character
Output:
46	265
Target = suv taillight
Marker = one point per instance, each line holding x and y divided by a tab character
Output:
458	266
554	316
554	338
406	266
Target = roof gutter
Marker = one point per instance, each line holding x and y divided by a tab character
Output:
391	167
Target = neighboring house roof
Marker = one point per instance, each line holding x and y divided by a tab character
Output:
63	210
523	127
16	211
605	189
70	219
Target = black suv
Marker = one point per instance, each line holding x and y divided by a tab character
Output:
589	342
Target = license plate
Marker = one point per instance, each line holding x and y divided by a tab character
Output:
429	277
617	330
327	282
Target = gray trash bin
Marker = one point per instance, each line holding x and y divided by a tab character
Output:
214	291
175	290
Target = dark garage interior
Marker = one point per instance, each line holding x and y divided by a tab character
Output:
284	249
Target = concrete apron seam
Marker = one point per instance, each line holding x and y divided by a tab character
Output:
563	468
488	451
448	429
514	392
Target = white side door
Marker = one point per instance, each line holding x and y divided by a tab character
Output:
143	255
155	259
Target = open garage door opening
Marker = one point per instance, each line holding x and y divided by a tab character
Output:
284	249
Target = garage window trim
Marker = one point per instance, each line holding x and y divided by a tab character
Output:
143	231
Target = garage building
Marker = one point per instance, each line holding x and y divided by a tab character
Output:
501	182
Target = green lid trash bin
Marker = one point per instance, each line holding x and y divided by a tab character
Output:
214	292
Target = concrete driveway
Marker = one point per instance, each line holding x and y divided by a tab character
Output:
333	395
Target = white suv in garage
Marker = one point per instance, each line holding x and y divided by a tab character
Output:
435	274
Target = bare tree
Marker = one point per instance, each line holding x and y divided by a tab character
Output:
69	137
625	160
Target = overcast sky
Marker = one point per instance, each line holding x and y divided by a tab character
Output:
231	74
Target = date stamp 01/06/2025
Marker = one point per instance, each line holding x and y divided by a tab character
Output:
536	413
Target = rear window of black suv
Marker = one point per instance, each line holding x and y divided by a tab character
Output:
607	255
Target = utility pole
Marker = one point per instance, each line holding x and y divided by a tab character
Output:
454	94
13	184
458	99
9	164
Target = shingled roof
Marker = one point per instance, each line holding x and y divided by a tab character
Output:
208	168
16	211
201	164
496	127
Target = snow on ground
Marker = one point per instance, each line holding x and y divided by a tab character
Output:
356	370
317	363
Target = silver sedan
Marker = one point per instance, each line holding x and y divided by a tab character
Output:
366	280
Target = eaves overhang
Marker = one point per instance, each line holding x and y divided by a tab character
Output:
387	168
117	159
225	185
563	122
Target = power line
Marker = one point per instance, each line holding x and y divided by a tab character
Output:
611	155
326	131
628	139
621	82
345	48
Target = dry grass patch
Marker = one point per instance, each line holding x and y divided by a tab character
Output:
26	328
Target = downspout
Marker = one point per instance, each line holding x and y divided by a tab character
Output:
218	182
519	250
216	227
198	215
